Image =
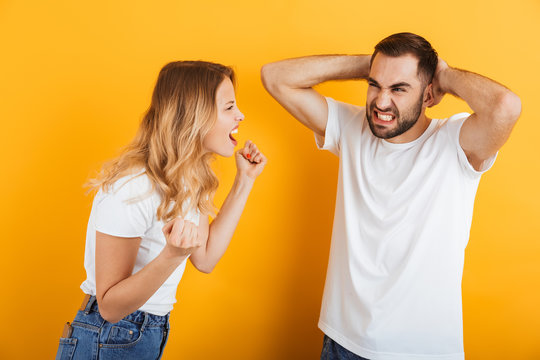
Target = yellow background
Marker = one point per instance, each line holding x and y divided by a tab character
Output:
75	78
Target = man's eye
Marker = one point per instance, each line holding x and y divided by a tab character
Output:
373	85
399	89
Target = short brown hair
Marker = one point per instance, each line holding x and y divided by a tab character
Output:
407	43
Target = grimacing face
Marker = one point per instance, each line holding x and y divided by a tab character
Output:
395	97
219	139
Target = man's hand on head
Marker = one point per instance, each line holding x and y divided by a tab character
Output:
438	81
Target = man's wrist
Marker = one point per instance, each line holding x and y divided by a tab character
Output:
364	63
445	82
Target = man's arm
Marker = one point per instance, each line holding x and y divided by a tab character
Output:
496	110
291	83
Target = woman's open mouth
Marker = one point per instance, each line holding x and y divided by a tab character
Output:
233	140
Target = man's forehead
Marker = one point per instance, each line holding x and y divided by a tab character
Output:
390	70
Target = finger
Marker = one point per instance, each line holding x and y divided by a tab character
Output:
247	144
187	239
194	236
252	147
258	158
264	160
254	156
253	151
240	154
247	150
167	228
187	225
176	232
242	151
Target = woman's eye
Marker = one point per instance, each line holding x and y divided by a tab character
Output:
230	107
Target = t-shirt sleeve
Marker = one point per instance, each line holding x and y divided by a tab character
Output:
125	210
454	127
331	139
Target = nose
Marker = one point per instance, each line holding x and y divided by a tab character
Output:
239	116
383	100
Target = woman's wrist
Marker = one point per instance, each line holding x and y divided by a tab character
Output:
242	179
173	254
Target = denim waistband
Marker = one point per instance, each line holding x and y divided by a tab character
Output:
138	317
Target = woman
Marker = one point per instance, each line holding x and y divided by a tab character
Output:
151	214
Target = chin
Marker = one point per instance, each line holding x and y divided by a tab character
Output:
224	152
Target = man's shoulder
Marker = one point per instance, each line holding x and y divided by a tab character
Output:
346	114
454	120
450	125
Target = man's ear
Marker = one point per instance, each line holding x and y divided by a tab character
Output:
429	99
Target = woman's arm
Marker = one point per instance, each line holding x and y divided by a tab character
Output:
250	163
118	292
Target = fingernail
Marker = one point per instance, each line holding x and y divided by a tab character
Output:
248	156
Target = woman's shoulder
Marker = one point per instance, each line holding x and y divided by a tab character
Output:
136	184
127	208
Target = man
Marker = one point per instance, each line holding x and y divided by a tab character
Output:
405	194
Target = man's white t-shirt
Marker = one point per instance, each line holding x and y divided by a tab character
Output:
401	224
129	210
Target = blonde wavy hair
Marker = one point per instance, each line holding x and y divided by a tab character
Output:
169	142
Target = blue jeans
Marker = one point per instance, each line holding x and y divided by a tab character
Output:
333	351
137	336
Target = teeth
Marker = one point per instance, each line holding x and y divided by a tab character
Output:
235	131
385	117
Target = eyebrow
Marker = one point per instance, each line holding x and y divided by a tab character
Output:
400	84
229	102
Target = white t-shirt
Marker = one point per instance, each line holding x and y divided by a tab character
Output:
120	213
401	224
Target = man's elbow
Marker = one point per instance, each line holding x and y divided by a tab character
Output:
509	107
268	78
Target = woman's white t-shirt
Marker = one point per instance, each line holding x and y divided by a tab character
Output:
129	210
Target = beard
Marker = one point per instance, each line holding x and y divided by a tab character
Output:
403	123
